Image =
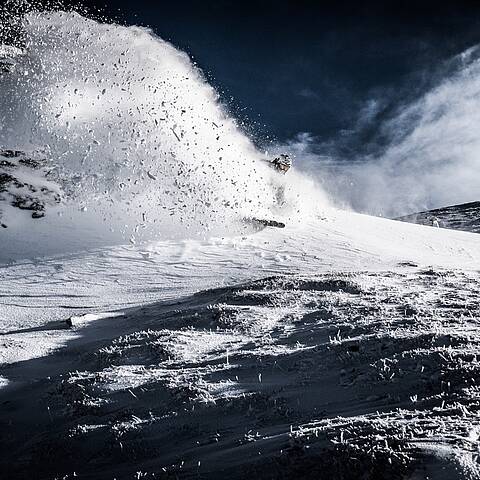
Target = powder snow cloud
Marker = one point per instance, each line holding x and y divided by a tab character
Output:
431	157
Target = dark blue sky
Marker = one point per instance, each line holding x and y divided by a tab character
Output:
304	66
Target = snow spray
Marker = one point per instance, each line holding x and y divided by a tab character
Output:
136	139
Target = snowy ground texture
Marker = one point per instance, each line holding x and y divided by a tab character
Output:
318	369
349	375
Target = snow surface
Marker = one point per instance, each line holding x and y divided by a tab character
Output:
354	353
118	277
138	341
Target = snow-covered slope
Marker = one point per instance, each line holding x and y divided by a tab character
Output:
342	359
353	354
114	277
24	185
148	331
457	217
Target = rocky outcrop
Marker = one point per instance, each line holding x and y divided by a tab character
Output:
25	184
8	58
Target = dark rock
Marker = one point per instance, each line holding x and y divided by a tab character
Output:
11	153
6	66
34	195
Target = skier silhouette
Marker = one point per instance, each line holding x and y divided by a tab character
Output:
282	165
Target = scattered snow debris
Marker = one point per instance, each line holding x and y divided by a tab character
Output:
176	134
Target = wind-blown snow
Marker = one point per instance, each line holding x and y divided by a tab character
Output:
429	155
137	140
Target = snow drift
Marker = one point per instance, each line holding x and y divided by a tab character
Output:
138	143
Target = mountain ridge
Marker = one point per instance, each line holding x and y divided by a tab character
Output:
464	216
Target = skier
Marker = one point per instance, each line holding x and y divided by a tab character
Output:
281	164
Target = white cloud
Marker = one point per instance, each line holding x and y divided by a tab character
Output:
432	158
